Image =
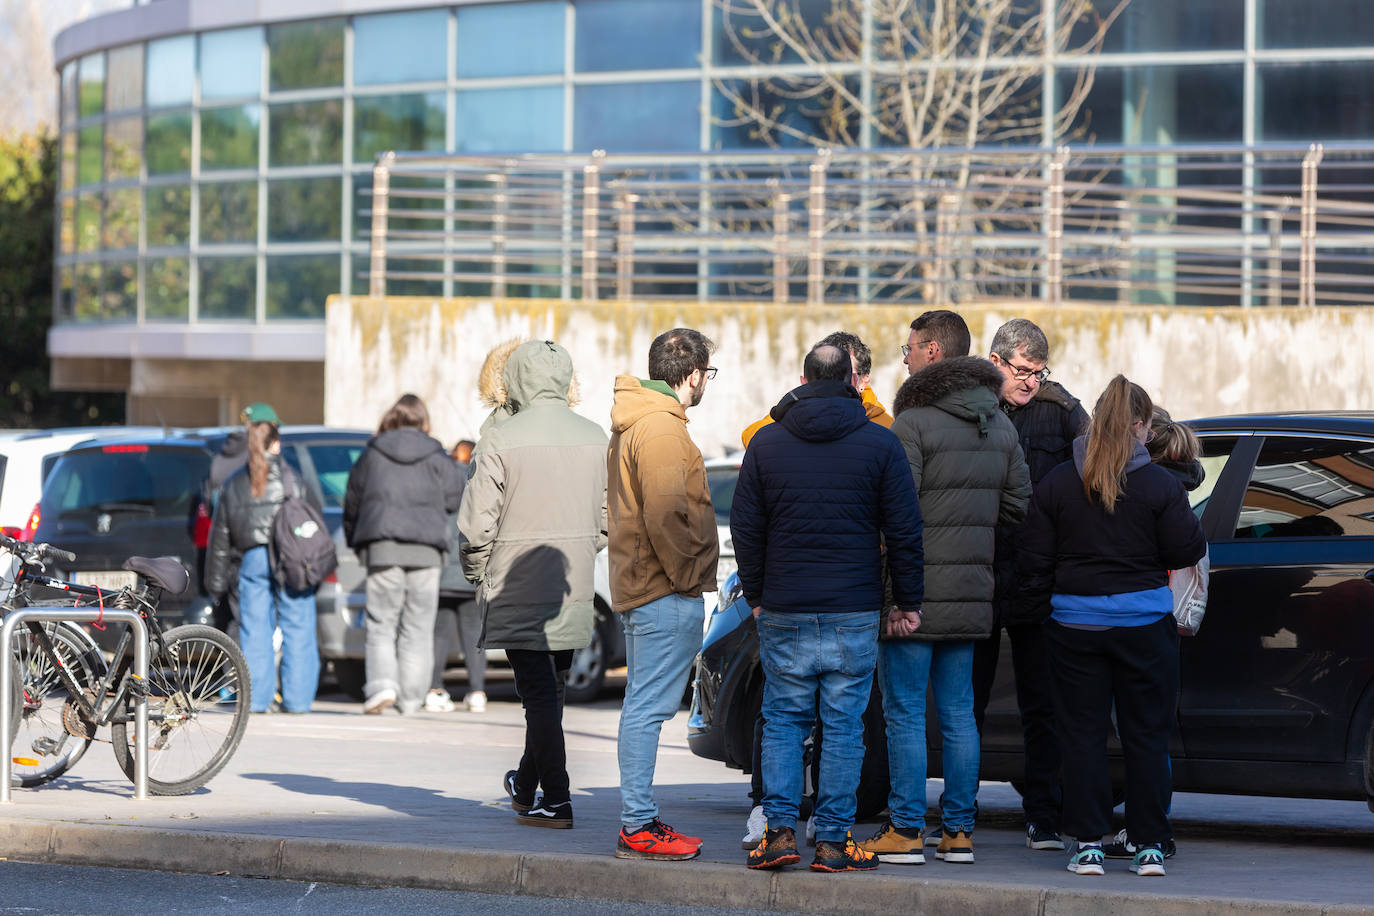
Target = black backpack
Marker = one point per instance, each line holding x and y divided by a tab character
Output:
302	549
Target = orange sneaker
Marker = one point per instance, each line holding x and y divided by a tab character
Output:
656	840
845	856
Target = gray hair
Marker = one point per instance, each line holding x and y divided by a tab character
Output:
1021	334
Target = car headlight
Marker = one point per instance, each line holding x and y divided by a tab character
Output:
725	568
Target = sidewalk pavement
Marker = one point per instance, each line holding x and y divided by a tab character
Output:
417	801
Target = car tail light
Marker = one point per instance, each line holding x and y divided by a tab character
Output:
332	577
200	531
10	532
31	526
123	449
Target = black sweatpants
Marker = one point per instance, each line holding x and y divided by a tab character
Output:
1042	798
539	679
1137	667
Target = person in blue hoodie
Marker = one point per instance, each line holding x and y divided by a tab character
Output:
1102	533
819	491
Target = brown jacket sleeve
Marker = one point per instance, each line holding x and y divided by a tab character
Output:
677	513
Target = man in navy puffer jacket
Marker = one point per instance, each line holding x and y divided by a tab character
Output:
819	491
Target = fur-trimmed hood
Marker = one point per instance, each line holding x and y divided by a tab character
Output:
491	383
939	380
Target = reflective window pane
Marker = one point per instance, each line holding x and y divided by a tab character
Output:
782	114
304	210
228	287
91	91
1315	23
66	233
66	295
228	212
231	64
168	209
68	178
124	78
166	288
171	70
1327	100
638	117
303	55
1151	106
511	39
634	35
1168	25
118	291
743	37
86	306
229	137
306	133
88	222
397	122
123	148
297	285
90	154
169	143
69	107
400	47
526	119
121	219
1309	488
362	202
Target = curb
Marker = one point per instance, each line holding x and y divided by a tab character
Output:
579	876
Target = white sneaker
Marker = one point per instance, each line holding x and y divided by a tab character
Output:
439	701
811	830
379	701
476	701
754	829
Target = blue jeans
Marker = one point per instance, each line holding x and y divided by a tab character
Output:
662	639
264	605
809	658
905	668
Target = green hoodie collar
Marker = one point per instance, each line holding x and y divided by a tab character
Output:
660	386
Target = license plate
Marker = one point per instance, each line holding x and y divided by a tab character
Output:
111	580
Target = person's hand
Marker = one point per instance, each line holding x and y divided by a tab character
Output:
903	623
756	612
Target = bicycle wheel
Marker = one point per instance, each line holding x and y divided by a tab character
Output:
52	734
197	711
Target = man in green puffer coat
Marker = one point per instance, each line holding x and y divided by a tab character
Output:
970	477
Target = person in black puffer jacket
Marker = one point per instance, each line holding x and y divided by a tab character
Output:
1103	531
242	526
401	493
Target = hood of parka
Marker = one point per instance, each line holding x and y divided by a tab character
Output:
491	380
537	370
635	399
406	445
820	411
967	387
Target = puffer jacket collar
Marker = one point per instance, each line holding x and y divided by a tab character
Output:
821	411
967	387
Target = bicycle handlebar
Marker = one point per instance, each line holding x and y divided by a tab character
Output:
35	553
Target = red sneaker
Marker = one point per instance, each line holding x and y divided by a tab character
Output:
694	840
656	840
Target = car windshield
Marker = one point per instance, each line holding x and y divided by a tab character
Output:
333	461
136	479
722	484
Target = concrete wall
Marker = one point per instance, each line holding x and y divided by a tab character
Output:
1196	362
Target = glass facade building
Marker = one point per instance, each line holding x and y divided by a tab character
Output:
212	152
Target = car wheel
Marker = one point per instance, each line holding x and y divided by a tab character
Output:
351	674
587	674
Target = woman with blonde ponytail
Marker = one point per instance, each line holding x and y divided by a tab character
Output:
1103	531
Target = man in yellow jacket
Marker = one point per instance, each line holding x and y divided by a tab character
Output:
862	359
663	552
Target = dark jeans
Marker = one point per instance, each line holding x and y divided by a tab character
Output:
1137	667
1041	796
459	621
539	679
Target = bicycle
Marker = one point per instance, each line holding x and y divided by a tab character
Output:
198	687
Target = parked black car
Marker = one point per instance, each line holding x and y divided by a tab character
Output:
1277	688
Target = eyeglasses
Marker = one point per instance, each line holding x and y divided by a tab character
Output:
1021	374
710	371
906	350
1149	431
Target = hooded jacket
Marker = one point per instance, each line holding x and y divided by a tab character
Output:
534	512
400	492
233	454
662	526
243	521
970	477
819	491
1089	567
873	408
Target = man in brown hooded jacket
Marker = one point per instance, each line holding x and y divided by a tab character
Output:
663	552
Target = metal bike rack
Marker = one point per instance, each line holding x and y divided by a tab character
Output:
140	629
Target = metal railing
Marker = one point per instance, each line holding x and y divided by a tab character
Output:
1223	225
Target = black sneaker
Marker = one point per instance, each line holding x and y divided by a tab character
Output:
776	849
1040	837
845	856
520	803
546	815
1122	848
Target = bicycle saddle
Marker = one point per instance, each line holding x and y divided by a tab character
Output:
166	573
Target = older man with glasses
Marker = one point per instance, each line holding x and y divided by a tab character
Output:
1047	419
